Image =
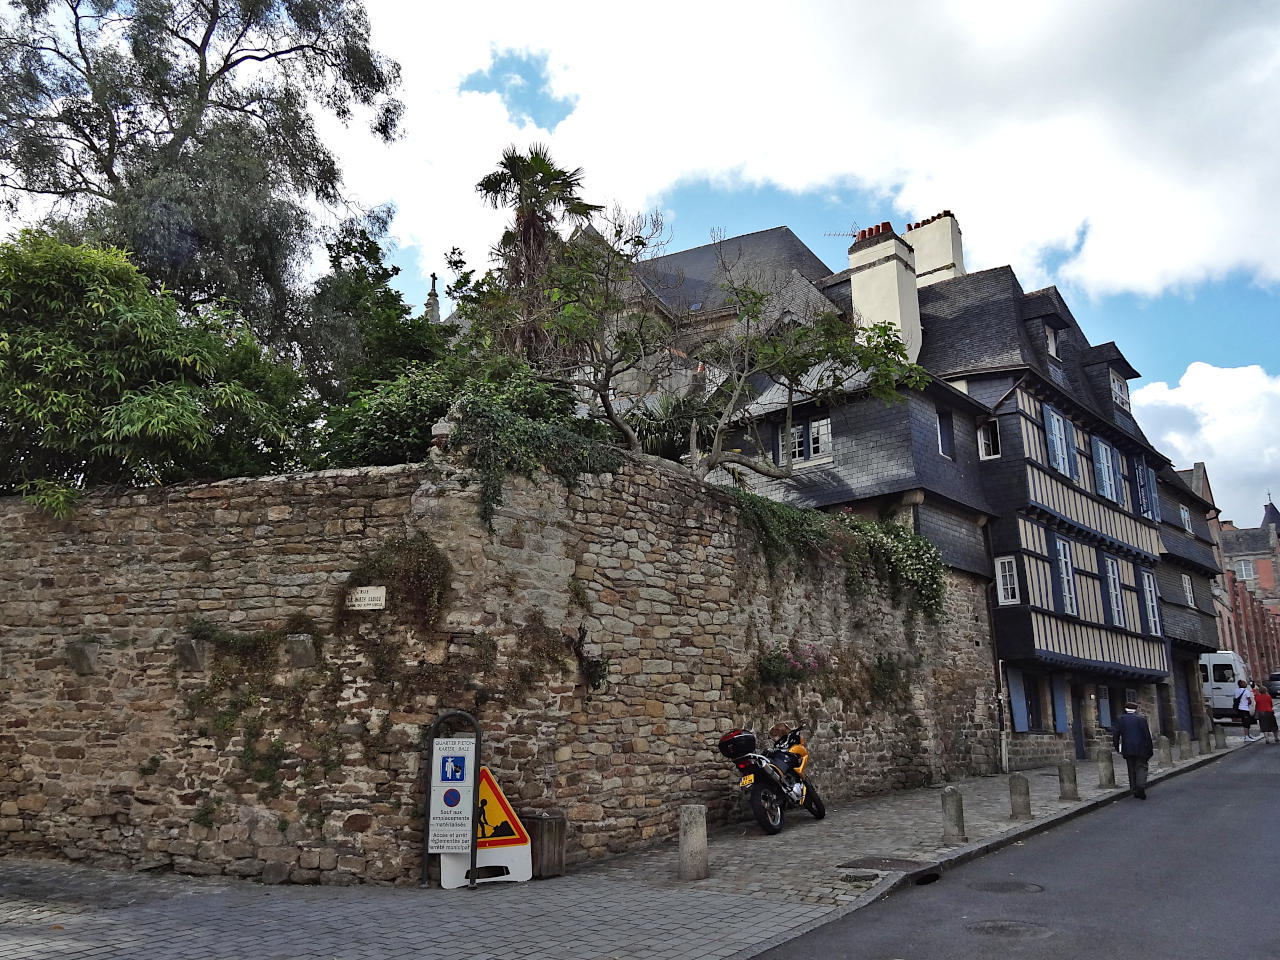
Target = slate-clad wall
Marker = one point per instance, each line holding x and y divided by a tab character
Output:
103	756
957	537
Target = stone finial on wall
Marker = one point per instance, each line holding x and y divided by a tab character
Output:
192	654
82	654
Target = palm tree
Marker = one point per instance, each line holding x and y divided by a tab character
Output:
541	196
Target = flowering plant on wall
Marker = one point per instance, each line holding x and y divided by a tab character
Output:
778	663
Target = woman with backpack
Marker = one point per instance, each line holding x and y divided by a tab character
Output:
1243	701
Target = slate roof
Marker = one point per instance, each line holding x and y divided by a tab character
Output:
694	277
1270	515
1247	540
984	322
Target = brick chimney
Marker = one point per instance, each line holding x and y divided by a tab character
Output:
939	251
882	283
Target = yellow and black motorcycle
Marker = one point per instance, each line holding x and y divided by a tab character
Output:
776	779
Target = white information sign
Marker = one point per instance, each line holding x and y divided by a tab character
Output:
367	598
452	775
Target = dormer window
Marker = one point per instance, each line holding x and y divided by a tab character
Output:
1119	390
1051	341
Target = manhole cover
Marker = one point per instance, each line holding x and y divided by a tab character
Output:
1009	929
1006	886
882	864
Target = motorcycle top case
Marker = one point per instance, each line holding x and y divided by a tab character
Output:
738	743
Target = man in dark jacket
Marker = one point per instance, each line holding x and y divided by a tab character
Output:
1132	737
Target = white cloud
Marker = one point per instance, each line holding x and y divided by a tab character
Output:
1143	132
1225	417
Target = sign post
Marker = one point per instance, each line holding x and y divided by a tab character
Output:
453	793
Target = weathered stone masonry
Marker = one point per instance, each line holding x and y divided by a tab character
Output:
127	743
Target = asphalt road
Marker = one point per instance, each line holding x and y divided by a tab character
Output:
1186	873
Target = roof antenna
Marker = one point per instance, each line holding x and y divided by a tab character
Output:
851	232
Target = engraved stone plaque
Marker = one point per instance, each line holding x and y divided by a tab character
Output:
367	598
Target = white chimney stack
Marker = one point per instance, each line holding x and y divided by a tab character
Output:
939	251
882	282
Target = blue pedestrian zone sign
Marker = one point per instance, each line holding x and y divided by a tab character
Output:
453	769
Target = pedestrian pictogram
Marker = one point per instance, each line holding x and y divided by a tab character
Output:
453	769
497	824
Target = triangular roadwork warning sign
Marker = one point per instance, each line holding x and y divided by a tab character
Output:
496	824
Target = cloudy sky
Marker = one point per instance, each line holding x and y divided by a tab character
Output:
1124	151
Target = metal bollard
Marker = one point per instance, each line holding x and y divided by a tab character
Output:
1106	769
693	842
1219	737
1019	797
953	816
1184	744
1068	789
1165	753
1206	741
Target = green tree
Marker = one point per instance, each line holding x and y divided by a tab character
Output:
540	196
102	381
183	130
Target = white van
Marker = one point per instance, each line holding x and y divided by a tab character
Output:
1219	675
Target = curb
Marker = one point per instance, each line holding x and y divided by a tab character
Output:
896	880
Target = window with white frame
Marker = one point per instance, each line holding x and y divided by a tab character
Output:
1051	340
1067	577
1113	591
1119	390
1007	580
1245	570
1188	591
946	435
989	440
1056	427
1153	602
1104	470
1186	518
810	440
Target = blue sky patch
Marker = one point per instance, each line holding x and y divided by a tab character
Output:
523	82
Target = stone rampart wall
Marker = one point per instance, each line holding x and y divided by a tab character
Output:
130	740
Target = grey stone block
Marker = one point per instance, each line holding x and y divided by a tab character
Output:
83	655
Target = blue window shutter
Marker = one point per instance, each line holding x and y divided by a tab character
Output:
1141	486
1099	473
1055	566
1073	459
1052	420
1059	703
1104	707
1106	588
1119	472
1017	700
1155	495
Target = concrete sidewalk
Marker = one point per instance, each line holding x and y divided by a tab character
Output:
630	907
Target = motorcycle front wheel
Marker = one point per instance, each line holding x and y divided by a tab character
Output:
813	802
767	807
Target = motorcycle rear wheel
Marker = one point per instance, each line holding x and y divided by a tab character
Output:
766	805
813	802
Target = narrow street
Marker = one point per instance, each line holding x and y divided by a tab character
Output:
1188	873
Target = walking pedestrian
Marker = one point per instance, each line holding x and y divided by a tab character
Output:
1266	715
1243	701
1132	737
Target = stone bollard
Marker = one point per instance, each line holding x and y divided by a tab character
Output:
1175	750
1219	737
1106	769
953	816
1164	752
1067	780
1184	744
693	842
1019	797
1206	741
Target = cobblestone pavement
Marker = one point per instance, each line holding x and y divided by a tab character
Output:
630	907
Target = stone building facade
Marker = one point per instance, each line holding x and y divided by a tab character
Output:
184	688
